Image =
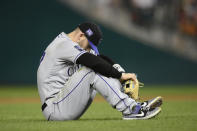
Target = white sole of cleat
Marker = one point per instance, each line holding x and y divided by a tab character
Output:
146	117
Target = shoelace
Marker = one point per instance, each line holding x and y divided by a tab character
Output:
144	106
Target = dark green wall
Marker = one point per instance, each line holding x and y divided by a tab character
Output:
27	27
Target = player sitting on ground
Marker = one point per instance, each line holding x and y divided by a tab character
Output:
72	71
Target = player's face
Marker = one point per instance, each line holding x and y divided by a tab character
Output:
84	42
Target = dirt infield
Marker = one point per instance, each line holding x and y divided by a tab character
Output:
97	99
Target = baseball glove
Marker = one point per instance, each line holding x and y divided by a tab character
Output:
132	89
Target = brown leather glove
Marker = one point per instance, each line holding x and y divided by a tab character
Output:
132	89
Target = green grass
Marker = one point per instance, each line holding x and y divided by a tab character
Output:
176	115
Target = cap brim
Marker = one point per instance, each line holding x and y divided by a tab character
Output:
93	47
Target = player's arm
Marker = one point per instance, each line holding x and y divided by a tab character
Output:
110	61
98	65
103	67
77	55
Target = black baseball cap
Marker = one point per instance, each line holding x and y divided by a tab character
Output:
93	33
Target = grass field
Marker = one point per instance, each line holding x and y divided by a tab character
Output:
20	111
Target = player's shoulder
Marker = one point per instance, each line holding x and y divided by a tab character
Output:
64	41
62	35
63	38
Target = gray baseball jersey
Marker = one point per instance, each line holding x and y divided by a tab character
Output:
68	89
57	64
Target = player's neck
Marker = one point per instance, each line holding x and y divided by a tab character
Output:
72	36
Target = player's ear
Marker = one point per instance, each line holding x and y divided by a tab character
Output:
82	34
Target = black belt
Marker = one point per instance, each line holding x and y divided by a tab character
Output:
44	106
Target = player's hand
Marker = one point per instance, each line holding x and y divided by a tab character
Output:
128	76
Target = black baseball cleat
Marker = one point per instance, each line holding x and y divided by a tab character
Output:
146	110
140	113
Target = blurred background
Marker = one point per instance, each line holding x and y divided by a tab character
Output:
157	39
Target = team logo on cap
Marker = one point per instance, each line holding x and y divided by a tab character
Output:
89	32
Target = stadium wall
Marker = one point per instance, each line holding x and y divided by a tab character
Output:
27	27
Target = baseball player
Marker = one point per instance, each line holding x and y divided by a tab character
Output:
72	71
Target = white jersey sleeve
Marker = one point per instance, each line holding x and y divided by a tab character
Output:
69	50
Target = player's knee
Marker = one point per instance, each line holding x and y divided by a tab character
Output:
85	69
